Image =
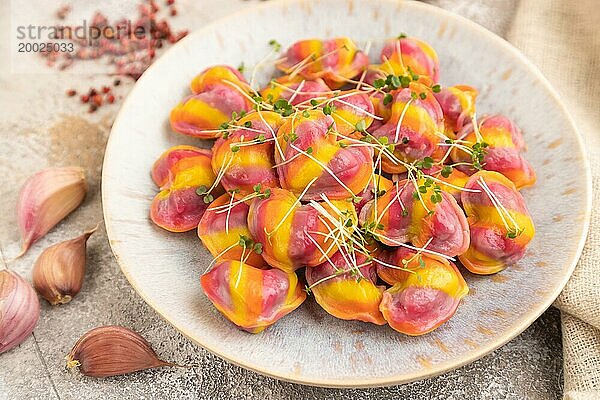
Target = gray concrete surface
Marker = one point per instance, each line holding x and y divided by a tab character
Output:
39	127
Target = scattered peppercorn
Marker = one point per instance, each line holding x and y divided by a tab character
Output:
71	92
97	99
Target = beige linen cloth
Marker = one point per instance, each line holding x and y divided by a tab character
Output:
562	37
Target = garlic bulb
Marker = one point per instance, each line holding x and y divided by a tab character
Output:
59	271
46	198
19	309
112	350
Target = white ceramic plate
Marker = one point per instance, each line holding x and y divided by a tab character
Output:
309	346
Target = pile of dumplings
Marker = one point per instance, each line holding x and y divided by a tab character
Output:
370	187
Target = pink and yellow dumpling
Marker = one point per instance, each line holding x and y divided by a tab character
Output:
244	157
348	295
335	61
295	235
218	93
223	229
252	298
314	162
414	127
458	106
504	142
420	214
409	54
425	292
500	224
179	172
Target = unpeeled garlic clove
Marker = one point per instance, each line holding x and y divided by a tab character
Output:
59	271
112	350
46	198
19	309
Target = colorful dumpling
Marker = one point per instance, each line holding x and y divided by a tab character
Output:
294	235
424	295
224	231
414	127
458	106
296	90
408	54
216	76
335	61
252	298
179	172
500	224
349	109
503	152
314	158
347	296
245	157
201	115
425	216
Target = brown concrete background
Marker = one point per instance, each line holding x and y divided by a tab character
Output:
40	126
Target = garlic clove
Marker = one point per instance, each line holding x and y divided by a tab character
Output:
19	309
59	271
46	198
112	350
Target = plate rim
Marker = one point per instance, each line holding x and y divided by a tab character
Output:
437	369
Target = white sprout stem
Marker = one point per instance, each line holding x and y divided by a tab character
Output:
250	143
324	254
464	148
297	91
262	118
221	174
293	206
221	254
239	275
401	119
290	71
476	128
463	189
408	246
389	205
298	70
365	112
224	207
229	212
246	95
399	51
498	206
361	80
289	160
325	167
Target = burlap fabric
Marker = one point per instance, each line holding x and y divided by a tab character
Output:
562	37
